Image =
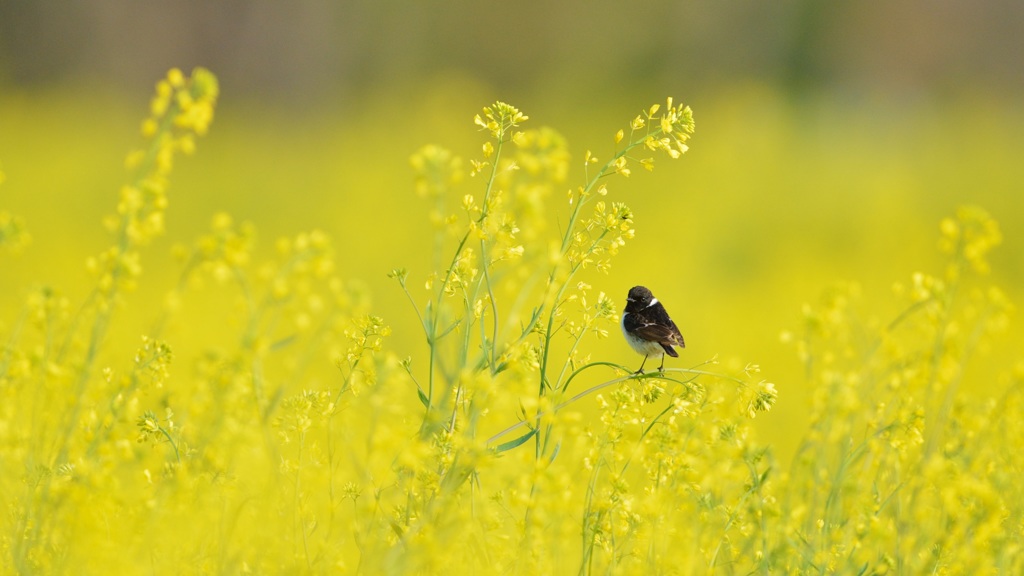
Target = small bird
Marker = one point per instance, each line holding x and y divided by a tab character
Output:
648	328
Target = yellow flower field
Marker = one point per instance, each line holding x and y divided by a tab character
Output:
396	350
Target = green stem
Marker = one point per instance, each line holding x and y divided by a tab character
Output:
435	313
583	198
167	435
630	376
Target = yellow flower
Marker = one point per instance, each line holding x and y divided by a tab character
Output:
175	78
499	118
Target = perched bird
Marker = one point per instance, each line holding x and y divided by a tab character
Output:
648	328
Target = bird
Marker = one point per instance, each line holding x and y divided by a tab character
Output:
648	327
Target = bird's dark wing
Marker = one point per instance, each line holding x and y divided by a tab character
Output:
667	336
654	325
670	332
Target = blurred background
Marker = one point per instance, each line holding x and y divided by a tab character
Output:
831	139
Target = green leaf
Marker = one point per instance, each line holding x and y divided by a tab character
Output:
514	443
283	342
448	330
554	454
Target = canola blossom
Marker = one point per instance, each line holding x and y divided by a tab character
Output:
297	439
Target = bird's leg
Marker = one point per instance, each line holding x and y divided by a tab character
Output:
641	369
662	367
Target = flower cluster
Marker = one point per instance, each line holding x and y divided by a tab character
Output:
599	237
181	110
153	360
436	169
968	238
508	326
887	408
301	412
152	429
499	119
665	449
655	130
13	234
507	444
227	247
